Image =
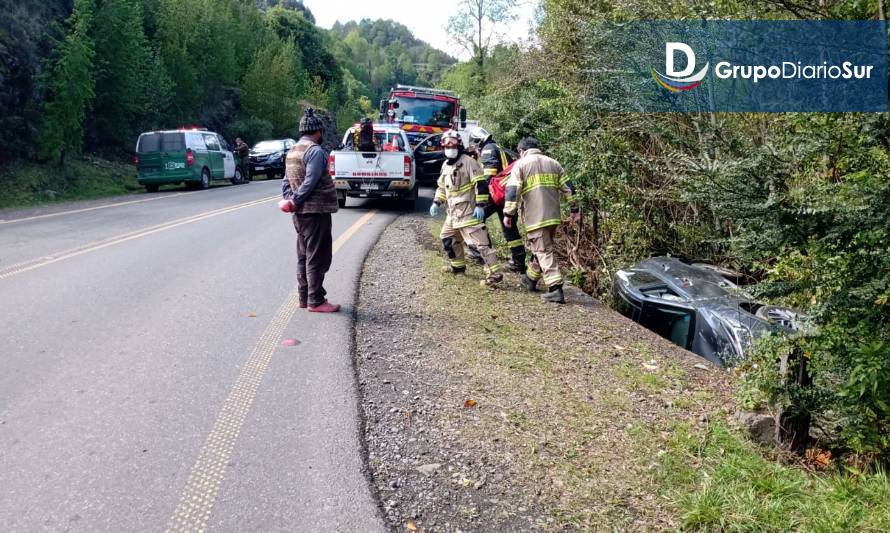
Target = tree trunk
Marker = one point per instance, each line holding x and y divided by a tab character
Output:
793	428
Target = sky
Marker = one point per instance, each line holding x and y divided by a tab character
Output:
426	19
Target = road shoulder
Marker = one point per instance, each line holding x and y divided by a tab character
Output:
490	410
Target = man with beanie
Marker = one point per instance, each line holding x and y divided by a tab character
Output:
309	194
534	189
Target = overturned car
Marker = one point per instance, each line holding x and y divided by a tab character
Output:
699	308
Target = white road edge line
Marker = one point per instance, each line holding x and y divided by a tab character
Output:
32	264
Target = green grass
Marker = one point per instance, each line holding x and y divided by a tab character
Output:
25	184
718	481
619	462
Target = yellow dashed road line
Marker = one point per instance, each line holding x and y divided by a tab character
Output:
31	264
199	495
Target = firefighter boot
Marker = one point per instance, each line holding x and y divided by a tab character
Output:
529	284
555	295
492	280
516	266
451	269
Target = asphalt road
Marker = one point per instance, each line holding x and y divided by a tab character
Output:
143	381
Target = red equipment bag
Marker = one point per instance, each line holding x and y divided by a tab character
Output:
497	186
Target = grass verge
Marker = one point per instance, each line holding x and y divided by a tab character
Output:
24	184
615	428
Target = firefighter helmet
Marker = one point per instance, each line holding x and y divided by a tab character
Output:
452	134
479	135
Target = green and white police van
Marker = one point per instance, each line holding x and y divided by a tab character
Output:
194	157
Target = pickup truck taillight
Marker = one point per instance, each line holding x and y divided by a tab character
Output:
331	164
136	159
407	166
189	158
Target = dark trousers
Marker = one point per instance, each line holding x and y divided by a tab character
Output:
511	235
314	254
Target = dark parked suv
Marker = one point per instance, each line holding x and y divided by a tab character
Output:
267	158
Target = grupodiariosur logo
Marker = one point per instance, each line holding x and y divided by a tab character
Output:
682	80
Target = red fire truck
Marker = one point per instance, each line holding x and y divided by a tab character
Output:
421	111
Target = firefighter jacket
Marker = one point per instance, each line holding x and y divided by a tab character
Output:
462	187
493	159
534	189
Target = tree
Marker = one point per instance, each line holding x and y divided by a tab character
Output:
270	86
121	55
475	26
70	86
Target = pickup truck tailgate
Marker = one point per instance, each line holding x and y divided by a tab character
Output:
392	165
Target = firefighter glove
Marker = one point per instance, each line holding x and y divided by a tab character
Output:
434	210
479	213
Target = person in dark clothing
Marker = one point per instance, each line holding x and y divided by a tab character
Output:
494	161
309	194
243	152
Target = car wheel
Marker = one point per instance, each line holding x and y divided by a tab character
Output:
239	178
152	188
409	201
784	317
205	179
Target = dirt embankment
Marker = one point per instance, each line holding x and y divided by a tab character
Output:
489	410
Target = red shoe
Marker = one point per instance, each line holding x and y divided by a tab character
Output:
325	307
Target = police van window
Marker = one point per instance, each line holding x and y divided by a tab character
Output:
211	141
172	142
195	141
149	142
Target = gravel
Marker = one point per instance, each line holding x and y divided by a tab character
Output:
427	476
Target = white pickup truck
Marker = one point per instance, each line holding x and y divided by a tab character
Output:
387	173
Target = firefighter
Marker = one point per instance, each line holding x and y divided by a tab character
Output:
534	189
494	161
464	192
243	152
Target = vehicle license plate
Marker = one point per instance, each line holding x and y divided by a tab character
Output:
260	168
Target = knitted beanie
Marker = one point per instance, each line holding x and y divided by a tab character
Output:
310	123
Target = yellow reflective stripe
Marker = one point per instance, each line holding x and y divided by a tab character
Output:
540	180
514	244
510	207
493	268
553	280
491	172
467	223
440	197
458	264
533	275
563	181
504	163
482	198
477	179
570	198
544	224
462	190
